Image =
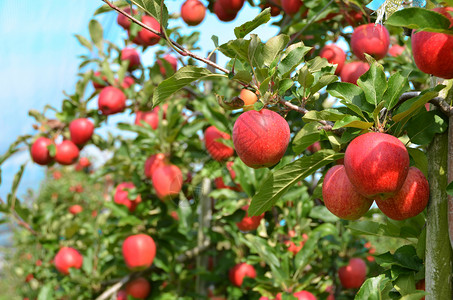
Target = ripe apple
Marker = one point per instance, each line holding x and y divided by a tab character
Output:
82	164
171	60
97	85
150	117
352	71
111	100
410	200
354	274
292	246
352	16
249	223
167	181
373	39
340	196
421	286
67	153
121	196
223	14
57	175
275	10
124	21
217	150
193	12
127	82
75	209
29	277
248	97
432	51
146	37
153	162
334	55
139	251
239	271
260	138
67	258
121	295
301	295
313	148
396	50
291	7
81	130
231	5
138	288
132	56
39	151
376	164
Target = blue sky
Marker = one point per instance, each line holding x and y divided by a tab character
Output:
39	60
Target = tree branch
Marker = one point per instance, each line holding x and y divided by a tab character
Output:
437	101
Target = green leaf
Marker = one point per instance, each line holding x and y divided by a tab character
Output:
96	33
420	159
397	85
278	183
262	248
273	47
256	51
45	293
372	288
327	114
406	256
12	195
294	56
373	83
242	76
84	42
352	121
322	213
322	82
352	96
450	189
180	79
248	27
105	8
239	47
408	108
153	8
405	283
308	135
422	128
419	18
365	227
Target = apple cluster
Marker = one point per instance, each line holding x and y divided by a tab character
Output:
376	168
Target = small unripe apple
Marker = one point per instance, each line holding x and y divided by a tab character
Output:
340	196
373	39
68	258
171	60
138	288
193	12
396	50
153	162
150	117
217	150
249	223
291	7
139	251
81	130
231	5
334	55
433	51
67	153
352	71
111	100
124	21
410	200
239	271
248	97
39	151
354	274
260	138
132	56
75	209
146	37
167	181
376	164
97	85
121	196
223	14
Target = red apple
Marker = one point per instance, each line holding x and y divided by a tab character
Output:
57	175
291	7
111	100
410	200
217	150
373	39
421	286
334	55
153	162
67	153
82	164
275	10
354	274
396	50
313	148
302	295
29	277
239	271
232	6
260	138
376	164
171	60
167	181
433	51
249	223
193	12
81	130
150	117
75	209
292	246
139	251
127	82
121	196
124	21
138	288
39	151
352	16
146	37
97	85
223	14
340	196
353	70
132	56
67	258
121	295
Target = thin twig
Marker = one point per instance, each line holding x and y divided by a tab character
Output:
22	223
114	288
293	106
